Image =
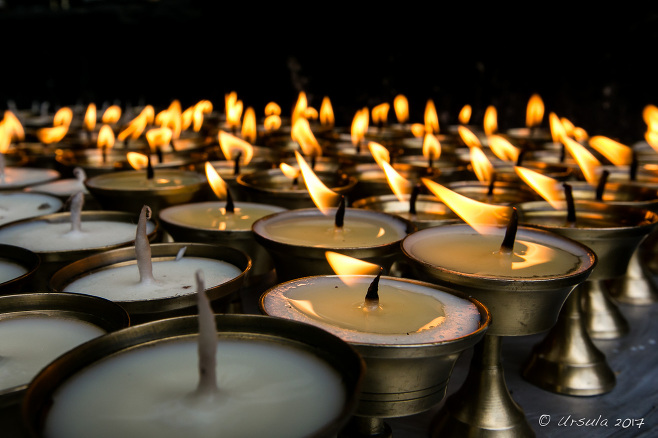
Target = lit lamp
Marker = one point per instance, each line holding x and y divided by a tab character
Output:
522	275
532	136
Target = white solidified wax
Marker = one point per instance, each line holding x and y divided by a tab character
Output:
45	236
407	313
10	270
28	343
472	253
265	389
173	278
362	228
16	206
25	176
62	187
213	215
137	180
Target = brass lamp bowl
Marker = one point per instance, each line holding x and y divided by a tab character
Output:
402	378
151	309
99	312
305	338
121	191
520	306
51	261
430	211
25	258
300	259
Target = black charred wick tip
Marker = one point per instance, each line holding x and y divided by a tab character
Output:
492	183
571	207
230	207
150	173
236	164
340	213
372	295
519	159
413	198
633	167
510	234
600	187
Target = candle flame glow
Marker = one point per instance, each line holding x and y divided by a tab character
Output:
557	128
13	126
302	134
548	188
289	171
157	137
344	265
401	108
490	120
618	154
468	137
502	148
105	137
431	118
360	124
482	167
272	123
323	197
272	109
399	185
63	117
53	134
112	114
587	162
137	161
233	109
326	113
534	111
217	184
465	114
249	125
232	145
171	118
90	117
431	146
136	126
380	113
480	216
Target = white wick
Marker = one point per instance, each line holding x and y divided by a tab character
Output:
207	387
143	248
77	201
2	168
180	253
79	174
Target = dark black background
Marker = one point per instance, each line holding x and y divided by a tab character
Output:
596	67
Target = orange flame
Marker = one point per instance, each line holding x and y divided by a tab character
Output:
399	185
272	109
579	134
502	148
346	265
326	113
105	137
650	117
217	184
272	123
233	109
465	114
323	197
418	130
558	132
171	118
249	125
587	162
481	165
431	147
53	134
618	154
63	117
468	137
231	145
380	113
490	120
534	111
137	161
300	108
289	171
137	125
431	118
157	137
401	108
360	125
112	114
379	153
302	134
548	188
13	126
652	139
479	215
5	139
90	117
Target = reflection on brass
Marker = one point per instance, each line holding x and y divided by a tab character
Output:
26	259
567	361
635	287
603	318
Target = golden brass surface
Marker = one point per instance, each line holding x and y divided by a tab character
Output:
23	257
603	318
430	210
567	361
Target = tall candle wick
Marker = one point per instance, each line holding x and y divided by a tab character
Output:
600	187
236	164
207	347
563	153
150	173
143	248
79	174
230	206
519	159
571	207
172	145
2	167
77	201
413	198
158	153
340	213
492	183
371	301
633	168
507	247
